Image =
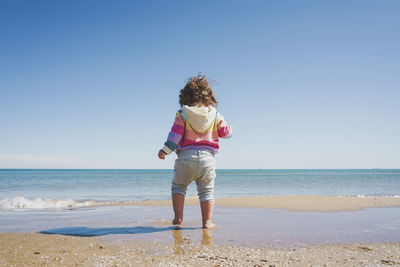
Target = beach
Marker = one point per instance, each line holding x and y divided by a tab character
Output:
282	117
57	250
360	234
263	218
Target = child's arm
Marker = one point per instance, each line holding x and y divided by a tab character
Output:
174	137
224	130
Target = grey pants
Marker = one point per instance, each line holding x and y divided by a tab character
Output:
195	165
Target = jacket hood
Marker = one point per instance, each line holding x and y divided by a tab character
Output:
200	118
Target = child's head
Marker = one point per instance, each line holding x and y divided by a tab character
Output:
197	91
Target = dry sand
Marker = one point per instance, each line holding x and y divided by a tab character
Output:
30	249
296	203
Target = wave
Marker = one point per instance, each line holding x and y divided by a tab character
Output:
22	203
372	196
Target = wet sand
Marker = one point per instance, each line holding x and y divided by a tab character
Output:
30	249
311	203
235	226
295	203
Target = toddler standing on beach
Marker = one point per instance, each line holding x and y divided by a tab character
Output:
194	138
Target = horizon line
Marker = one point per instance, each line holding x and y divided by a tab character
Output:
216	169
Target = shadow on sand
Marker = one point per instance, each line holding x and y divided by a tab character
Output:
86	231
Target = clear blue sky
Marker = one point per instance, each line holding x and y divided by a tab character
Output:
94	84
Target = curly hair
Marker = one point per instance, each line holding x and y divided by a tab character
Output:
197	91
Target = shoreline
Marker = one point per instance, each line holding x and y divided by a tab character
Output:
301	203
49	250
292	203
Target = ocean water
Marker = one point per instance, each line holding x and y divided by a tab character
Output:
52	189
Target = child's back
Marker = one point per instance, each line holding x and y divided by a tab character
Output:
194	136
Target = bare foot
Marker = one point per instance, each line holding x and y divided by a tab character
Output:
208	225
177	221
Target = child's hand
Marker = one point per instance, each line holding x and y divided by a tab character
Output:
161	154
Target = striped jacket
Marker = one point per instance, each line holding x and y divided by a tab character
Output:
197	128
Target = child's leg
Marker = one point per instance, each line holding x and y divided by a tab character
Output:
205	189
183	176
178	201
206	213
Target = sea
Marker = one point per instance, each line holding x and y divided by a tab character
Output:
39	189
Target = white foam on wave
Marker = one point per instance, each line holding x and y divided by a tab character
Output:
368	196
22	203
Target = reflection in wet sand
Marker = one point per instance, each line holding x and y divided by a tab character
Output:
207	239
179	241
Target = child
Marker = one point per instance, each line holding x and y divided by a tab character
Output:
194	137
